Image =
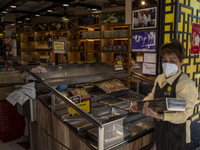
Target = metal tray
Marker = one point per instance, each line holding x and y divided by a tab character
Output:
62	112
112	135
125	105
165	104
79	123
97	105
146	123
111	101
135	129
98	95
130	95
109	112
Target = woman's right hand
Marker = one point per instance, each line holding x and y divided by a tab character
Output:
134	107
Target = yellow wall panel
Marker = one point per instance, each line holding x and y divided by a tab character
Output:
186	10
184	27
167	8
167	28
181	1
169	18
195	4
180	26
168	1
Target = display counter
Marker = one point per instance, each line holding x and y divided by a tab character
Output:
108	125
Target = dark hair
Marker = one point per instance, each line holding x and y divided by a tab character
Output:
173	47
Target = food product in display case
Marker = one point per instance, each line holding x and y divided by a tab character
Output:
107	87
112	86
80	92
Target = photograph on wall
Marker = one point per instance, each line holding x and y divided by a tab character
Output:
195	39
144	18
144	41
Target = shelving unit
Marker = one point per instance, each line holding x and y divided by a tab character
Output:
90	43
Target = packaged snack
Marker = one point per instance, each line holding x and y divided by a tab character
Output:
119	85
111	86
107	87
80	92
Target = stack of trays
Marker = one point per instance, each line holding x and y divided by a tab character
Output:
165	104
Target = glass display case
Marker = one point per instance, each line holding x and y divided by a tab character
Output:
93	100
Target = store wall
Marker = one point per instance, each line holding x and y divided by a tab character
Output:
177	24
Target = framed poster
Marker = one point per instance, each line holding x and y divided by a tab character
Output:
195	42
144	18
144	41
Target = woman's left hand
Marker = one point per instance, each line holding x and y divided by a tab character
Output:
149	112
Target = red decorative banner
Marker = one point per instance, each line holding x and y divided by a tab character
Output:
195	41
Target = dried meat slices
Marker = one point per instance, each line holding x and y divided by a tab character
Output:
111	86
80	91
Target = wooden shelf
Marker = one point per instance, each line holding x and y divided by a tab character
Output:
42	50
116	38
76	51
114	51
90	47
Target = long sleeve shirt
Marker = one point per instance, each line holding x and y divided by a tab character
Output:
185	89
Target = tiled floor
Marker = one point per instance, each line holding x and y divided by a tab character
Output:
11	145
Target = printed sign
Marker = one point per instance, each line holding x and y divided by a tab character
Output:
59	46
195	38
140	58
149	69
144	41
149	57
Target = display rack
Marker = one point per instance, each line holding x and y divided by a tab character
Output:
89	43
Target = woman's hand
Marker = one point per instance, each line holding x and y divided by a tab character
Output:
149	112
134	107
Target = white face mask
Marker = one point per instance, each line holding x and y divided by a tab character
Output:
169	69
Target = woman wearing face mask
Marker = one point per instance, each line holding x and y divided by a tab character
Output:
172	130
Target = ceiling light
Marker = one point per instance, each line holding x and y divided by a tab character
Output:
37	15
19	21
143	3
49	10
13	6
4	12
94	9
27	19
65	5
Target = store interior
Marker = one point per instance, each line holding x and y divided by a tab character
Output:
61	45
